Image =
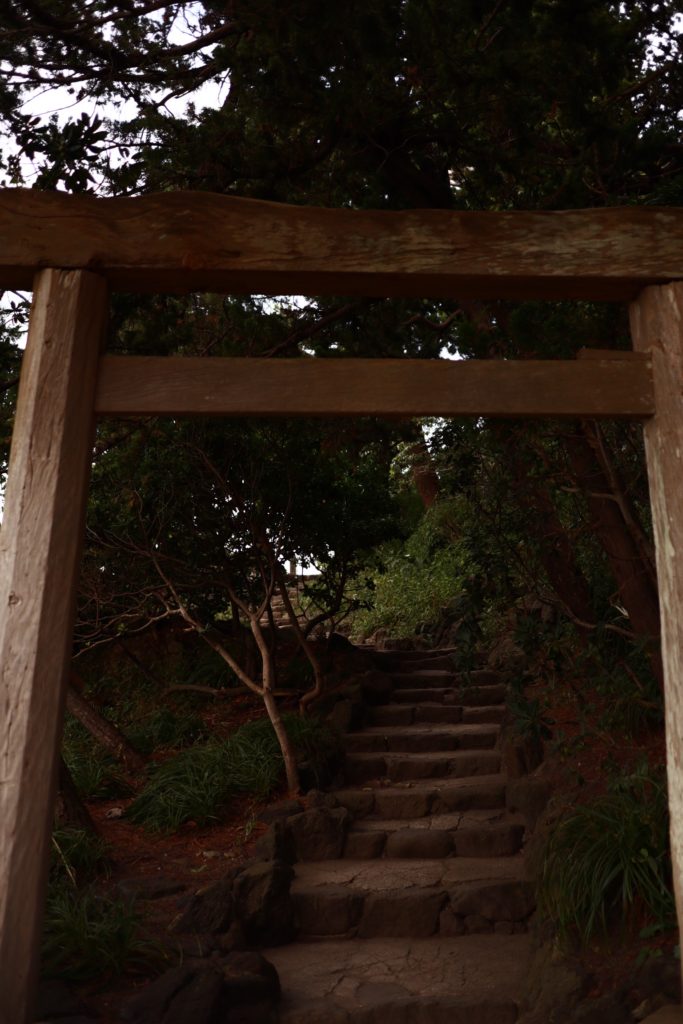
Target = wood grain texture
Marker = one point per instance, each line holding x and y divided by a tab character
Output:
197	241
657	329
40	545
185	386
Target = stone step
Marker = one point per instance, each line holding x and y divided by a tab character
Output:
403	767
471	696
487	714
415	679
440	695
412	898
476	979
393	663
414	714
422	738
410	656
451	714
419	799
448	836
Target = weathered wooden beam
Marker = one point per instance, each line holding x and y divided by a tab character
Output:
40	545
197	241
185	386
657	329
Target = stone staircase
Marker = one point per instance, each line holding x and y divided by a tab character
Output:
422	920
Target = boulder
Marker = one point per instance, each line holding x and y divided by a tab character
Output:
279	811
251	989
210	909
276	844
319	833
244	989
255	898
263	903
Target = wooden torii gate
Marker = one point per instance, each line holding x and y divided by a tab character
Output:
72	249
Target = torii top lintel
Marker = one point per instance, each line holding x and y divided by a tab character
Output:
198	241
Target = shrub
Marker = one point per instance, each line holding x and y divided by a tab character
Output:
607	861
197	784
88	935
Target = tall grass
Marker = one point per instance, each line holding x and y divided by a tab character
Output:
89	935
607	862
199	783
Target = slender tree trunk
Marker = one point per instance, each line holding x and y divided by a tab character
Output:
268	678
306	647
105	732
425	477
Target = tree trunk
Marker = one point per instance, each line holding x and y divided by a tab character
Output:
288	755
318	675
631	572
425	477
554	544
105	732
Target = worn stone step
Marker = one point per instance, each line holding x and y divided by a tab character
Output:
412	898
392	663
432	695
431	677
418	799
410	656
476	979
415	679
470	696
422	738
413	714
493	713
404	767
448	836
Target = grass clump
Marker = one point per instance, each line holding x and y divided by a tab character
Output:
198	784
77	855
607	862
88	935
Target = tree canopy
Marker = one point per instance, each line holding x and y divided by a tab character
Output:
524	104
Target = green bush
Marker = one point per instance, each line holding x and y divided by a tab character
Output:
411	583
198	784
607	862
88	935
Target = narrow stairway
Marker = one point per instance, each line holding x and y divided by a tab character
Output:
423	920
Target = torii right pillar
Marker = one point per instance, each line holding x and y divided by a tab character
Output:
657	328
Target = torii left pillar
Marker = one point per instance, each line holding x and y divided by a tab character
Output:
40	547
